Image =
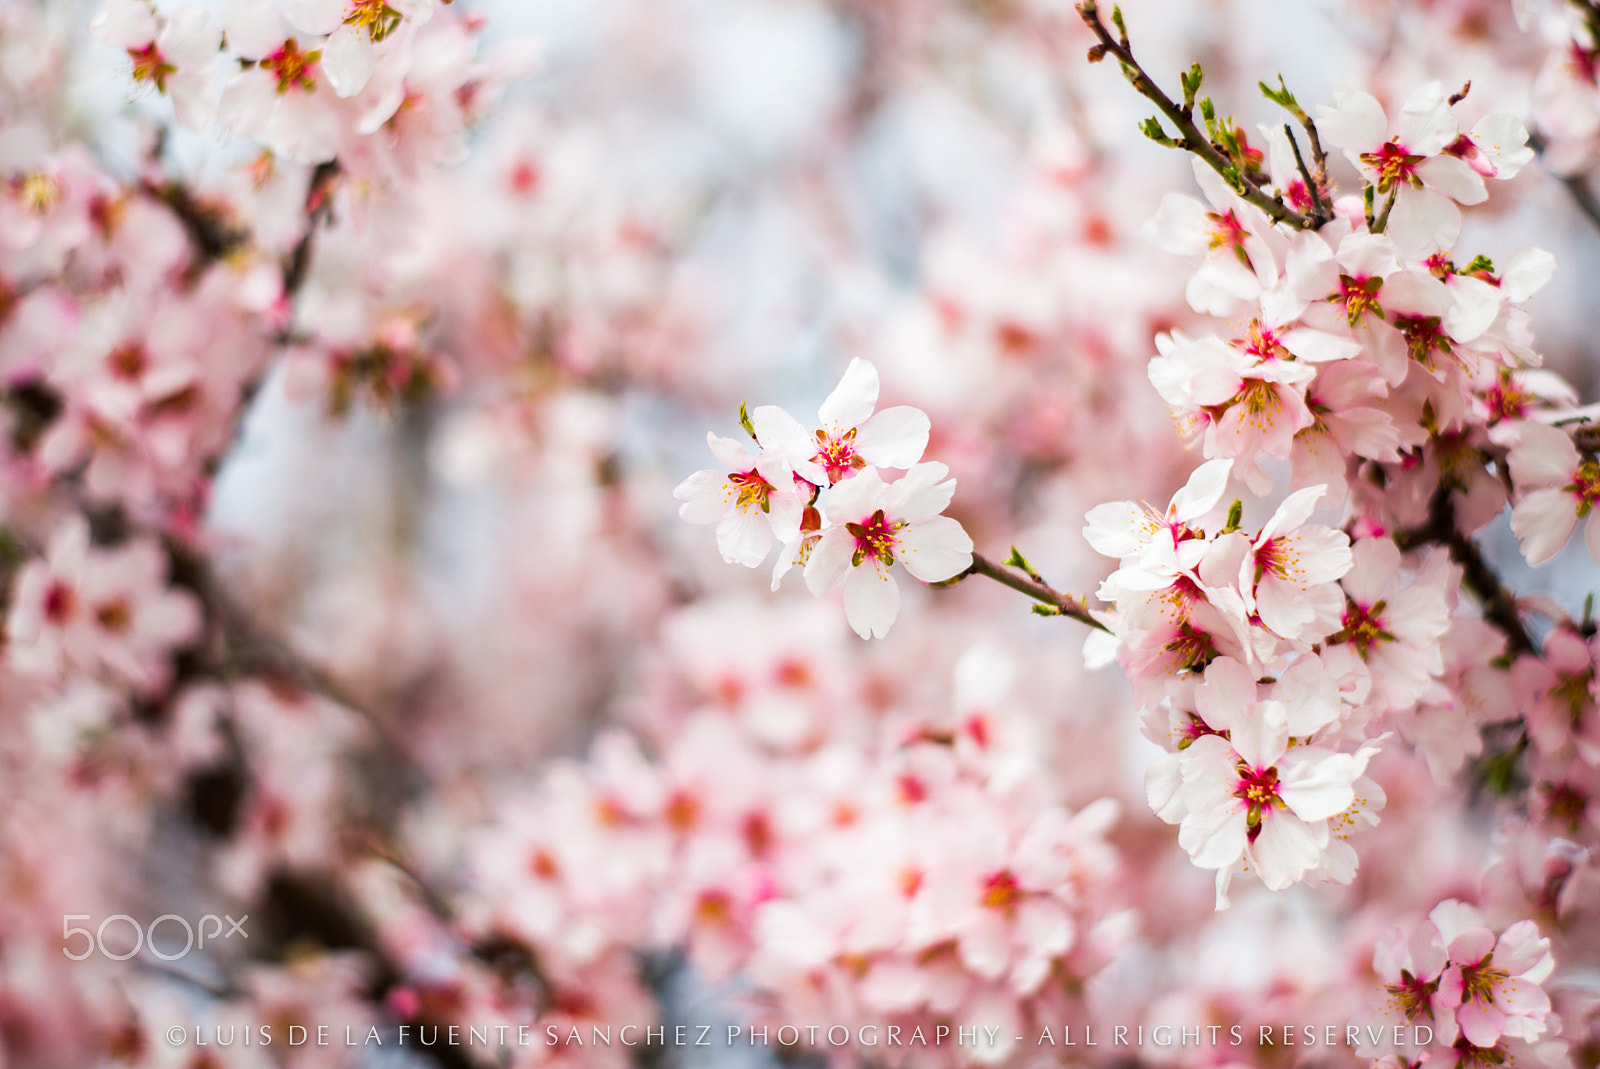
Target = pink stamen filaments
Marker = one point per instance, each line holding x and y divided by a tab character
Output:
1393	164
838	456
1258	789
876	537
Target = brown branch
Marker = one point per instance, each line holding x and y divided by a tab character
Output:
1192	139
1060	604
1477	575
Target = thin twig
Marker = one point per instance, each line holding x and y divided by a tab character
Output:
1063	604
1193	140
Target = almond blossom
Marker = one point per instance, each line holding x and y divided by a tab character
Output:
1556	488
871	526
751	498
852	435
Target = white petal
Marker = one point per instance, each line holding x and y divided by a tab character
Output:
829	559
1317	790
254	29
1356	121
1543	521
744	536
315	16
1453	177
852	401
871	599
920	494
894	438
347	60
1285	849
706	495
935	549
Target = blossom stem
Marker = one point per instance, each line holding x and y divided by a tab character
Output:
1063	604
1191	138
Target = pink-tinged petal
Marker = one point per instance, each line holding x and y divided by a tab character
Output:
935	549
852	401
1356	121
1543	456
1454	178
1294	511
1415	293
347	60
1261	734
1181	225
1477	305
1591	535
1471	945
1481	1023
785	509
1426	124
1044	927
919	493
1374	562
1504	139
247	102
1521	998
1310	694
315	16
1423	222
1543	521
730	453
1318	346
1214	838
893	438
829	560
1285	849
1118	529
784	435
1520	948
193	101
744	536
1317	790
1161	784
857	497
985	944
871	599
1229	689
1366	255
1525	273
253	29
1203	491
125	24
1452	987
190	38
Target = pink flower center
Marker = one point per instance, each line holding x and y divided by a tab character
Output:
1424	336
1478	981
374	16
1359	296
114	615
1262	342
1586	485
1410	996
295	69
753	490
837	456
149	65
1258	789
1364	626
59	601
1001	892
1228	232
876	538
1392	163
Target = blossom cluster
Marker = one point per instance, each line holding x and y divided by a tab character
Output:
865	525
